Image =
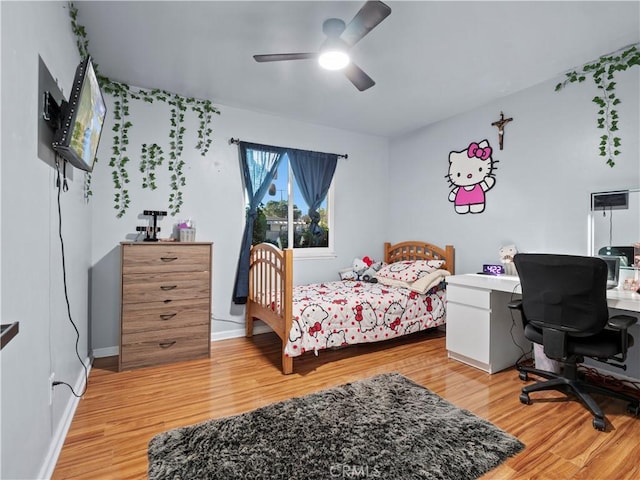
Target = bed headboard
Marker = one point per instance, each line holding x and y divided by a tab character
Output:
420	251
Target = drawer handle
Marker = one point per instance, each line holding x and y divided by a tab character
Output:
168	287
168	259
167	301
167	344
167	316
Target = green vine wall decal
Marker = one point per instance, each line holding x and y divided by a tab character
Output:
151	156
119	159
176	164
602	72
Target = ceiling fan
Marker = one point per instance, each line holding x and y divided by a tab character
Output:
334	52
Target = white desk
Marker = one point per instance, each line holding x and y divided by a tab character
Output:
480	328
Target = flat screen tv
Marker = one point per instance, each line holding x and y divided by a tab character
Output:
82	117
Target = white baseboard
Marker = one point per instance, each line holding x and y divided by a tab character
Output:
106	352
257	330
60	434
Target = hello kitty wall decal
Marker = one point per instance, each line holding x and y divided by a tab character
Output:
471	176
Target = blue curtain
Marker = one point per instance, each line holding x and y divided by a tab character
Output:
314	172
259	164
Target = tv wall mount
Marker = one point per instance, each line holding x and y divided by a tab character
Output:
151	231
52	112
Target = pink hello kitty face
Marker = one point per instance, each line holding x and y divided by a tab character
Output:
470	166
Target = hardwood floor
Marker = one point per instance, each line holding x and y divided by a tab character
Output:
122	411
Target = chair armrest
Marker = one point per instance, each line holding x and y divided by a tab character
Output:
621	322
515	305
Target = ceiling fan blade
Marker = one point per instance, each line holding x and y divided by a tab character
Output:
361	80
278	57
369	16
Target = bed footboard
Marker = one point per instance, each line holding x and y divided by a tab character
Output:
270	293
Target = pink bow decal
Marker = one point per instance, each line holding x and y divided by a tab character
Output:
475	150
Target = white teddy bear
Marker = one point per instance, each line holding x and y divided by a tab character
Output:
507	253
363	269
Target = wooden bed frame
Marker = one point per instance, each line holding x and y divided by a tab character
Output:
271	277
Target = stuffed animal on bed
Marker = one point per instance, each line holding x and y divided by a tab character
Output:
369	275
363	269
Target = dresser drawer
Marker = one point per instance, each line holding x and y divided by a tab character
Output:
168	335
164	346
165	258
164	287
474	297
141	317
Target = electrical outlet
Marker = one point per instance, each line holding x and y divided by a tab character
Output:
51	379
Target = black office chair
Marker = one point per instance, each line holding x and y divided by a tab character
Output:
564	308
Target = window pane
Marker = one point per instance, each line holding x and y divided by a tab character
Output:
276	215
276	206
303	236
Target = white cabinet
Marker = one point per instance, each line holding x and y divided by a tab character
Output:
480	329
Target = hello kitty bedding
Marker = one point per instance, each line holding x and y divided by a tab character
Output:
408	297
335	314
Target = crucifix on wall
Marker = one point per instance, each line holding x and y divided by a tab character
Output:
500	124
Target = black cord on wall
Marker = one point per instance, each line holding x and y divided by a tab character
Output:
61	184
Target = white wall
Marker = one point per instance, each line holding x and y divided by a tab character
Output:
549	166
31	270
546	172
214	198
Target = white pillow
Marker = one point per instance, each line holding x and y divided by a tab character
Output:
421	286
409	270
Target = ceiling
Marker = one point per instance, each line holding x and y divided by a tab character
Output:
430	60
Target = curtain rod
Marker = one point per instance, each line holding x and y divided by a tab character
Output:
237	141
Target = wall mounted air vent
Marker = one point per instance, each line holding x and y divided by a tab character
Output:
610	200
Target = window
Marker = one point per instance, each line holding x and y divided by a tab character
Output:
283	217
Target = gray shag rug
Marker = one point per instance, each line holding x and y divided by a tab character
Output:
382	427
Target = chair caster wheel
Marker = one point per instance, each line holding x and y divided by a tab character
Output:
524	398
598	423
524	376
634	409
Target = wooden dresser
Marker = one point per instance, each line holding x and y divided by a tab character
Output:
166	303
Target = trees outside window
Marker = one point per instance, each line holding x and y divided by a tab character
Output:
283	216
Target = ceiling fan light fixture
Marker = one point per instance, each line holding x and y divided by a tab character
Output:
333	59
340	39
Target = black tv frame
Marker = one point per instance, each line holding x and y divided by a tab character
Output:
63	117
